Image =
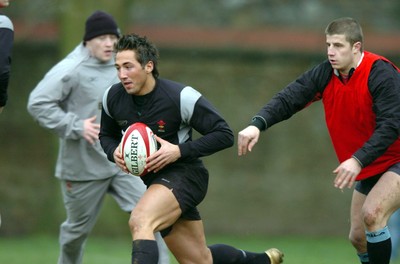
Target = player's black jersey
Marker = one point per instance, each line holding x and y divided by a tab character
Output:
171	110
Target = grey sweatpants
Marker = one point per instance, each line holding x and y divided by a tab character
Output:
83	201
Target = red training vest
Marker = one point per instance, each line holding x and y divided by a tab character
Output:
350	119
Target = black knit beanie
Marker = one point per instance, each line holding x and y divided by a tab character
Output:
100	23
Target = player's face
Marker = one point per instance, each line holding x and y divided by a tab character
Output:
341	54
135	78
101	47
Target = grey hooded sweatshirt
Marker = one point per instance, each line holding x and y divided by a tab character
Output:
68	94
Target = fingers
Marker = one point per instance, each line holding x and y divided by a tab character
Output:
244	144
159	140
344	179
91	130
119	160
92	119
156	164
346	173
89	139
243	147
91	135
166	154
251	144
247	138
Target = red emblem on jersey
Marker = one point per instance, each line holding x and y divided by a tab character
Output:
161	126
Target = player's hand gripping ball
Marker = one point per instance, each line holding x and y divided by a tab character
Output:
138	143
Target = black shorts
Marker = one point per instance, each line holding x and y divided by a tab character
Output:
365	186
189	184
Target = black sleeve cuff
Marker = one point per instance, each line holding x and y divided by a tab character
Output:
358	160
259	122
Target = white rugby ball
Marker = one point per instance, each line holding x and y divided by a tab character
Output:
138	143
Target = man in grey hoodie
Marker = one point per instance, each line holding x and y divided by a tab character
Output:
67	101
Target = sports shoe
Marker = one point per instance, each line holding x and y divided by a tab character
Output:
275	255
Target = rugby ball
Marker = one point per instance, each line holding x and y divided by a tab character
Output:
137	143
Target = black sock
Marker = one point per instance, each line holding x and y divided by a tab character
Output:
224	254
379	253
379	246
144	252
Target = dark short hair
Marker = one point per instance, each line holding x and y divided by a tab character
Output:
346	26
145	50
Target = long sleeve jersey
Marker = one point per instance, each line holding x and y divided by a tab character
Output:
379	110
172	110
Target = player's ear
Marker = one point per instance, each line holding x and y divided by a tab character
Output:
357	46
149	67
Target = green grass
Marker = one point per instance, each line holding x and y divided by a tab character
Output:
101	250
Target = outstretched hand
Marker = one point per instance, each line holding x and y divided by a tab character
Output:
166	154
247	138
346	173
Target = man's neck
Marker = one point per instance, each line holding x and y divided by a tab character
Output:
149	85
356	62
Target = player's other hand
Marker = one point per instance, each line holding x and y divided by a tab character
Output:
119	159
247	138
91	130
166	154
346	173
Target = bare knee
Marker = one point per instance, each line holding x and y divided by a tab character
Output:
137	222
358	240
357	236
373	219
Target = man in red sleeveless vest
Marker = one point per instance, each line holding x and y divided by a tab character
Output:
360	92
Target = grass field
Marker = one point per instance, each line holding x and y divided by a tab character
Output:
100	250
